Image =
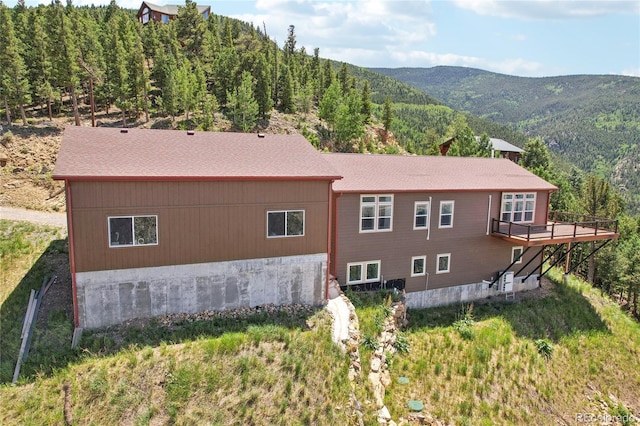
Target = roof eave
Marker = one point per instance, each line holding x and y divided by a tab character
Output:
88	178
431	190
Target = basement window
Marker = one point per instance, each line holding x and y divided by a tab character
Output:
516	254
127	231
418	266
285	223
443	263
363	272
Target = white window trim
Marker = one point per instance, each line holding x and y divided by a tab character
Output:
415	214
363	275
424	263
376	216
438	257
133	231
285	223
453	205
513	254
524	206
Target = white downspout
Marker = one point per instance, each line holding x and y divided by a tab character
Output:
429	224
489	215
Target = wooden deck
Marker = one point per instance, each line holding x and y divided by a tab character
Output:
555	232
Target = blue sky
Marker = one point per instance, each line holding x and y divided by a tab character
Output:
532	38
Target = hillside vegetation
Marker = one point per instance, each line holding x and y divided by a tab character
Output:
592	120
557	353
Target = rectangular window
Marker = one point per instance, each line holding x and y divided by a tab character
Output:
418	266
127	231
421	215
363	272
376	213
285	223
518	207
516	254
443	263
446	214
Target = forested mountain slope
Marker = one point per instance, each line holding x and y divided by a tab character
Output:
593	120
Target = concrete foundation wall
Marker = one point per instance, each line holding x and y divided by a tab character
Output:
111	297
463	293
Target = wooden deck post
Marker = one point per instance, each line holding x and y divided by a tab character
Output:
567	261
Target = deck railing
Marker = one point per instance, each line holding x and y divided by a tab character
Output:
560	225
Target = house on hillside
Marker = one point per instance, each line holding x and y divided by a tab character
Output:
164	221
432	225
177	221
504	148
152	12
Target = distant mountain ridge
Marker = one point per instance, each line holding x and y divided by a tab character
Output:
592	120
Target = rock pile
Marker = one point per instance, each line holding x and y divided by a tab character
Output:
379	375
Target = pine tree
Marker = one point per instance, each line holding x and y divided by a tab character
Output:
387	117
343	77
91	53
329	104
316	73
262	76
242	105
169	87
327	74
14	84
190	87
138	78
366	102
65	58
290	45
190	30
287	104
535	155
150	41
225	69
349	124
40	66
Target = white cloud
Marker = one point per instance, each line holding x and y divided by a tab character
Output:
549	9
362	25
632	72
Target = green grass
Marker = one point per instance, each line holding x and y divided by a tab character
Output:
25	253
533	362
267	375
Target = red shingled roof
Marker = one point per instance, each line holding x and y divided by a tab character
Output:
401	173
106	153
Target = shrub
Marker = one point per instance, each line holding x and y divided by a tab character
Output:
545	348
465	322
370	342
6	138
401	344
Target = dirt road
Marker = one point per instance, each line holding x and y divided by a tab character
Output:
52	219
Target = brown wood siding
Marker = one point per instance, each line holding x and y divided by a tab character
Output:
475	256
197	221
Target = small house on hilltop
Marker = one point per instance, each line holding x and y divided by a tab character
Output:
167	221
153	12
505	149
